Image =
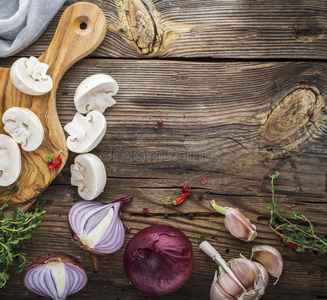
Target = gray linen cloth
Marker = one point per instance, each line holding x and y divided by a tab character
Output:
23	21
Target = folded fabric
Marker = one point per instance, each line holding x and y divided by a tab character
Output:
23	21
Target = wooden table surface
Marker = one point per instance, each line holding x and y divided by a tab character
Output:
232	82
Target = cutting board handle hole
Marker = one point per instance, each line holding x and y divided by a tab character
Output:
83	25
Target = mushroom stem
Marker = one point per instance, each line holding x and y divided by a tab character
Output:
75	130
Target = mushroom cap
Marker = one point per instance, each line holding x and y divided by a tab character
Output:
29	76
24	126
86	132
89	174
94	93
10	160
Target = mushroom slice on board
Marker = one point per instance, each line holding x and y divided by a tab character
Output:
10	160
94	93
89	174
29	76
24	126
86	132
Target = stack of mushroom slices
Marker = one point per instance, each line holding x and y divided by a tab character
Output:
28	75
92	97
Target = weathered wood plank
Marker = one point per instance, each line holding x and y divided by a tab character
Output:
226	122
107	277
208	28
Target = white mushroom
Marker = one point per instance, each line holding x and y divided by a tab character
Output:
94	93
10	160
29	76
86	132
24	126
89	174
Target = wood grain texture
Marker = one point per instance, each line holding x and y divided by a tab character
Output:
231	123
208	28
69	44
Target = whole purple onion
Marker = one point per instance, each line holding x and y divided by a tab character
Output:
55	276
159	259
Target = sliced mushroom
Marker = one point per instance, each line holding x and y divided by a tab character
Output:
86	132
89	174
94	93
10	160
24	126
29	76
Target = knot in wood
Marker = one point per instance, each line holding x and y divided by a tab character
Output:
142	25
288	121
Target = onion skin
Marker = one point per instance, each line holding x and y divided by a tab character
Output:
116	226
159	260
41	262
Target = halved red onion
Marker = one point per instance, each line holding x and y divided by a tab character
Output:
96	226
159	259
55	275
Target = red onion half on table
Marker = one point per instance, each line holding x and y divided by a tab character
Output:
159	259
55	276
97	227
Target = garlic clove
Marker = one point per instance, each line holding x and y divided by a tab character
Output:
217	292
236	223
246	271
239	226
270	258
264	276
229	285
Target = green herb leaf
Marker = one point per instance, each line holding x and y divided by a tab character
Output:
201	238
13	232
297	236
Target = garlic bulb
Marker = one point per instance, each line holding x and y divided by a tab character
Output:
239	279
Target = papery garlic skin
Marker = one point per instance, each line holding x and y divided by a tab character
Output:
270	258
239	226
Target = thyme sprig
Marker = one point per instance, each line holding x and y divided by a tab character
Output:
296	235
14	231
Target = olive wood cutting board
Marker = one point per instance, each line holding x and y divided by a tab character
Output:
81	29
